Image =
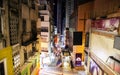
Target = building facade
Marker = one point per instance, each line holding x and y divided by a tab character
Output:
18	30
29	42
46	26
94	20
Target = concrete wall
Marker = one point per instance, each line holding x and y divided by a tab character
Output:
104	7
26	16
33	14
38	24
25	11
84	11
102	46
22	56
5	26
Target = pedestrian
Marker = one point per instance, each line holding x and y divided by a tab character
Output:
71	63
59	62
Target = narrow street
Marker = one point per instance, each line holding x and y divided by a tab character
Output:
59	37
50	68
60	71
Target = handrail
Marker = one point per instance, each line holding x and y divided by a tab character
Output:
102	64
112	57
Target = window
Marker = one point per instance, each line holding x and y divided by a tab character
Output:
42	18
42	7
16	62
25	1
77	37
34	29
3	67
32	4
14	27
44	29
24	25
25	55
2	72
1	3
33	25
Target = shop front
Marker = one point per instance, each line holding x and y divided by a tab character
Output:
31	67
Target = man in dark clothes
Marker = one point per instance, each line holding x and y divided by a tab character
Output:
59	62
66	46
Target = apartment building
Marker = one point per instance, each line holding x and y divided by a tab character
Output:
18	36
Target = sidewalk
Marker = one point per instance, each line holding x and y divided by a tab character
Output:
53	63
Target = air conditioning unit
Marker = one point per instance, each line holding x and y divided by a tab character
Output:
116	44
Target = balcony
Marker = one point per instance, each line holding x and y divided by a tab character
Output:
32	4
28	38
42	7
44	12
43	2
25	2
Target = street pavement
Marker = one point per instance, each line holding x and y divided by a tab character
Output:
56	71
51	69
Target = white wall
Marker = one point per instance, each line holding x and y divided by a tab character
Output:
102	46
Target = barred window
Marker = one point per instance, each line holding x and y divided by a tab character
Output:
13	20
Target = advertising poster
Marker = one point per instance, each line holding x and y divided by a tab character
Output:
109	25
78	61
94	69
